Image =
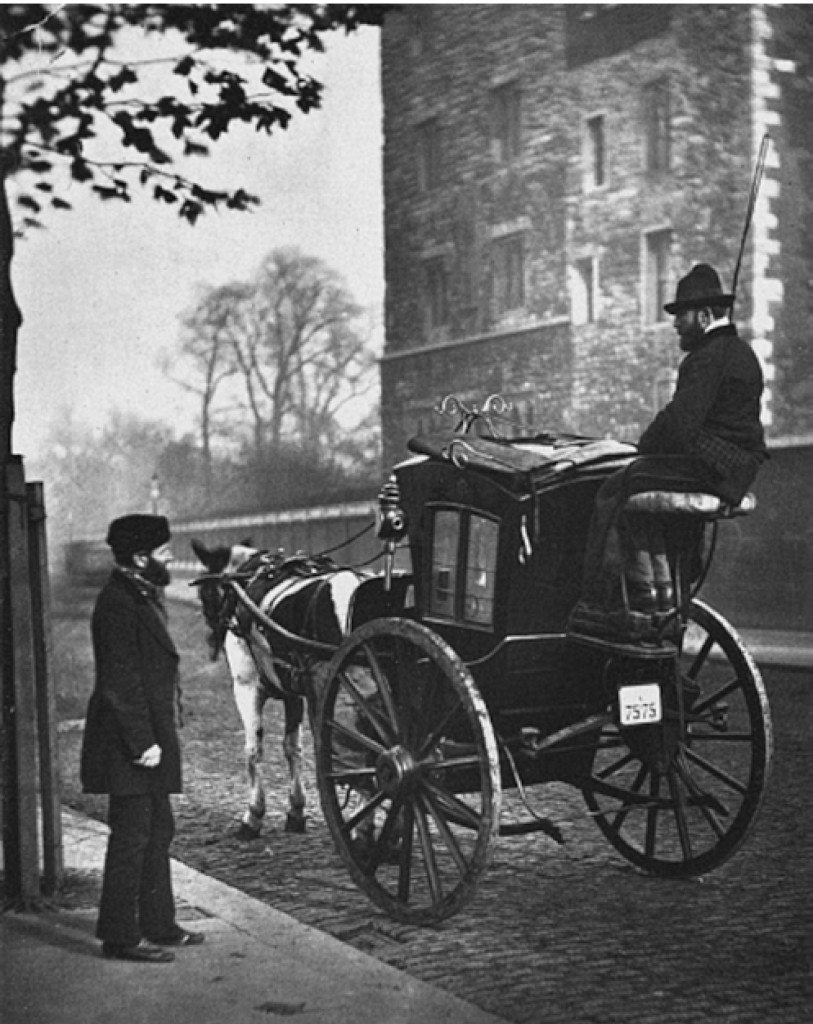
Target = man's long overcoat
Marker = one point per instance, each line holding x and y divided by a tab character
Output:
133	704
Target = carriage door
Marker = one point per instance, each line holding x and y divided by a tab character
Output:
464	566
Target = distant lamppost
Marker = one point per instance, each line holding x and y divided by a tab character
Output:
155	493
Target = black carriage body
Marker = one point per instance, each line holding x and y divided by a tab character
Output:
497	535
463	681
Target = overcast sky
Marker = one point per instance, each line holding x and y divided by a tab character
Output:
102	288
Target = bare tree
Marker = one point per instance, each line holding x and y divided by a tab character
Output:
75	111
292	347
205	361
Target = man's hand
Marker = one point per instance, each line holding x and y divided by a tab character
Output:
151	757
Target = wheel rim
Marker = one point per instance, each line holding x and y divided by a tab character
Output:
680	798
408	770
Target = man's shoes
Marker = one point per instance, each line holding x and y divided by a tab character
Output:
180	937
665	595
144	952
642	597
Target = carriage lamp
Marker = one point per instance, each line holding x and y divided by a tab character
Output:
392	524
392	521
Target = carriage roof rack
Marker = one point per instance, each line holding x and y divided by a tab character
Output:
537	458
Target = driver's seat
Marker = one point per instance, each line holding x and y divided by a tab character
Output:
694	503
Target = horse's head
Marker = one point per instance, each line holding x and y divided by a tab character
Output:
217	601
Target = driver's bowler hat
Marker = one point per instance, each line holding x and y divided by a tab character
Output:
700	287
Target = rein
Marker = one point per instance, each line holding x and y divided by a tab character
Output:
315	646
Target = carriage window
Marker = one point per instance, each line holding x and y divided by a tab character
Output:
445	544
481	563
464	566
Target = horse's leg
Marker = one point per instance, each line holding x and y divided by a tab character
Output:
250	697
292	748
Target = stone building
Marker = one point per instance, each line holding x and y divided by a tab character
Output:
550	171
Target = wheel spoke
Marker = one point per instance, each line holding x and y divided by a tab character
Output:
348	775
356	737
722	737
626	806
404	728
439	731
718	773
429	859
699	798
383	686
652	815
365	708
616	766
724	691
456	809
449	840
385	836
707	762
679	808
405	858
363	812
701	657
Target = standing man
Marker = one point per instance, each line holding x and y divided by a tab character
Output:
130	748
710	430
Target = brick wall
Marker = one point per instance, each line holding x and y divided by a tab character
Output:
734	72
611	373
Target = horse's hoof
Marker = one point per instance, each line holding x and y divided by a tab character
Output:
245	833
295	823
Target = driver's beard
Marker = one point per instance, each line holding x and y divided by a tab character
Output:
691	338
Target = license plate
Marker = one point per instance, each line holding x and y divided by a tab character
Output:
640	704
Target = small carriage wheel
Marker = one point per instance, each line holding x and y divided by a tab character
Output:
679	798
408	770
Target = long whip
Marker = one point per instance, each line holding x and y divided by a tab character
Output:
759	170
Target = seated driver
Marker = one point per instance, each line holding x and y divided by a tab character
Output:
712	432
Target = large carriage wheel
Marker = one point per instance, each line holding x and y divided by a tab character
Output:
679	798
408	769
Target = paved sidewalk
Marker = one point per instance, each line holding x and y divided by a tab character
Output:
256	964
787	648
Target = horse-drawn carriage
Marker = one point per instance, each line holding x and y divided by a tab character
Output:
458	677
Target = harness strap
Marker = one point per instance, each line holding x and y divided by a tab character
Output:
315	646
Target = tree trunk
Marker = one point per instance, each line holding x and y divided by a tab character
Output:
9	324
10	321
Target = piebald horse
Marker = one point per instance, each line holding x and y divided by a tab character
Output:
306	607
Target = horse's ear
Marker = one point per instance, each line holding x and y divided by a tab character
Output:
201	551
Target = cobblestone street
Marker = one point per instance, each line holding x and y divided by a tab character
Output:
566	933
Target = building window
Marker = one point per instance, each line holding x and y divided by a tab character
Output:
506	132
656	119
428	152
436	292
421	31
508	273
595	31
583	291
595	152
656	274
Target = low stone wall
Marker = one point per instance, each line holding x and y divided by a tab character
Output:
762	575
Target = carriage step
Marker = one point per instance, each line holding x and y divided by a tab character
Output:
521	828
633	649
622	629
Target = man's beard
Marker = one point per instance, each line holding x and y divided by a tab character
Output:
690	338
156	573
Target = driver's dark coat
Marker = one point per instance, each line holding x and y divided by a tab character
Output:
133	704
714	414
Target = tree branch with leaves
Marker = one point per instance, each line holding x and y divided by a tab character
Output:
76	108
